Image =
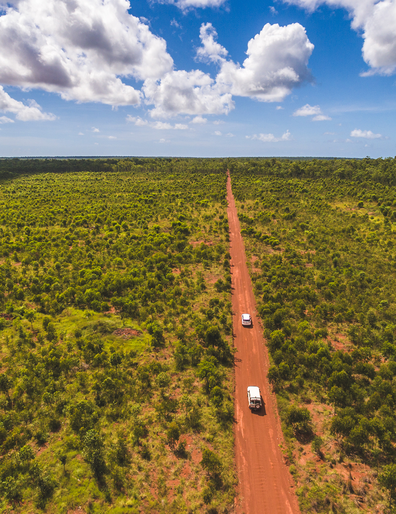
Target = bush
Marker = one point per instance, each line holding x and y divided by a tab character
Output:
210	462
299	419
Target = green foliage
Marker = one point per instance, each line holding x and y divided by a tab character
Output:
211	462
387	479
173	434
325	294
93	451
107	306
299	419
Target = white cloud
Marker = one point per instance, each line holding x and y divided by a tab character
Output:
367	134
279	107
321	117
158	125
188	4
94	129
276	63
79	49
81	133
162	140
218	122
377	20
4	119
199	120
85	49
31	112
111	137
218	133
136	120
272	9
230	134
174	23
210	49
270	138
185	92
312	110
308	110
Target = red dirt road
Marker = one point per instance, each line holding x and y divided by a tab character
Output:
265	484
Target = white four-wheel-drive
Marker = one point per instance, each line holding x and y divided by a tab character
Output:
254	397
246	319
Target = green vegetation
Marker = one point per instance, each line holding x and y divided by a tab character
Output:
321	244
115	337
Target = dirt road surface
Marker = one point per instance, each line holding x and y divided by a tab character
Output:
265	484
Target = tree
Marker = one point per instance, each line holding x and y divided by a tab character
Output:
93	450
387	479
163	380
299	419
211	462
63	460
5	385
207	370
173	434
12	489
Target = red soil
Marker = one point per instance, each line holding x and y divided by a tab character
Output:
126	333
265	484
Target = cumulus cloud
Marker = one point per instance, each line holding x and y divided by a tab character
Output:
85	50
270	138
185	92
311	110
79	49
188	4
138	121
218	133
4	119
377	20
321	117
277	62
199	120
210	49
307	110
31	112
158	125
366	134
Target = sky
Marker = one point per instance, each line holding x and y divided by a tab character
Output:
198	78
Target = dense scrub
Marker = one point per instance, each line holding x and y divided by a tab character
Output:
321	241
115	333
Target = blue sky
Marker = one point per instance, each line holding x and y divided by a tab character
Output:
210	78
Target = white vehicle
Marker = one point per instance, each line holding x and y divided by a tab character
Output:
254	398
246	320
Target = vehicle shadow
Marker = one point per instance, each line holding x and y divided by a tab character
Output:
262	411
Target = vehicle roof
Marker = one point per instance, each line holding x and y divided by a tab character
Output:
254	391
246	316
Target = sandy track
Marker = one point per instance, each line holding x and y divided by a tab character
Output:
265	484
